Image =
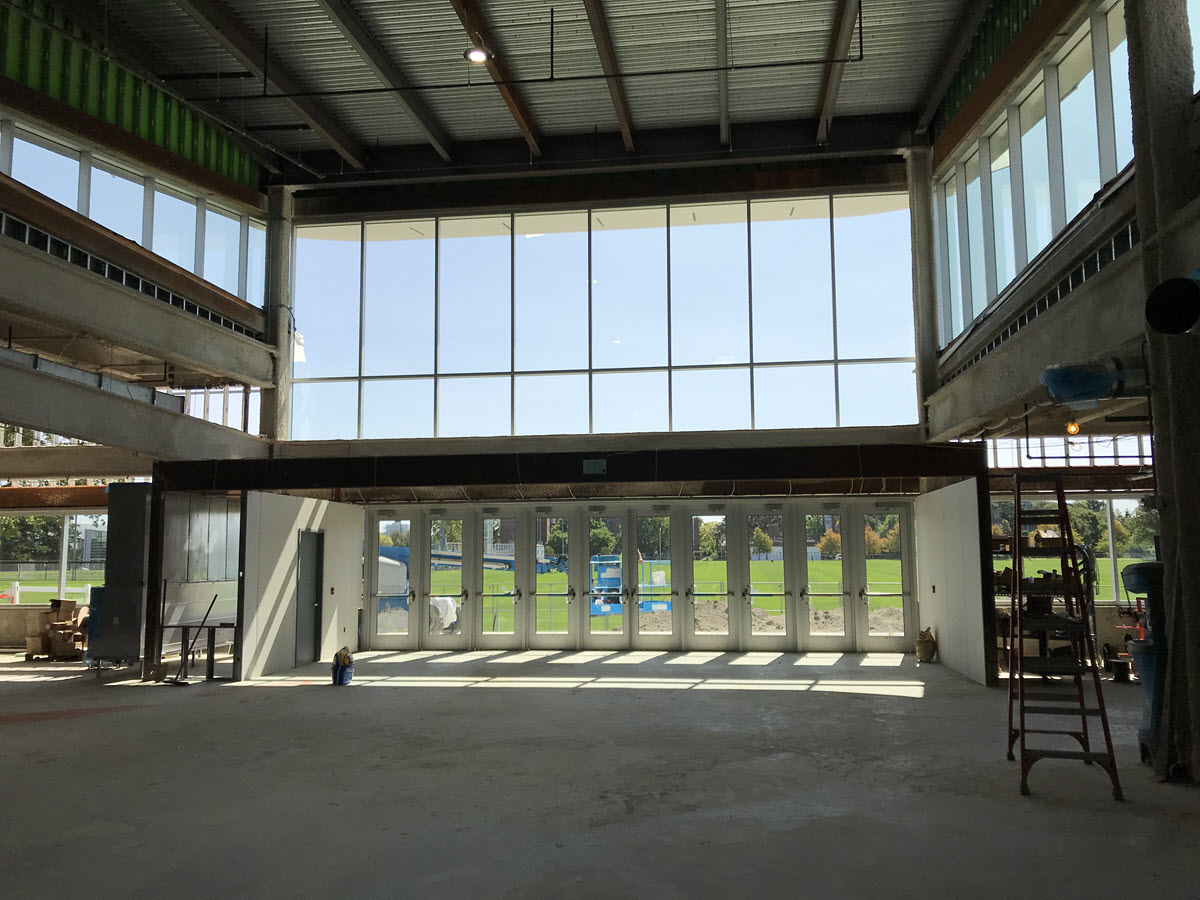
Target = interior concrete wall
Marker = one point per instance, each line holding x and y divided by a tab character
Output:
949	591
18	620
273	525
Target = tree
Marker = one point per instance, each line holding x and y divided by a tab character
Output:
556	540
447	530
398	538
709	543
654	536
1120	535
1086	524
873	542
601	539
814	527
891	541
830	544
760	542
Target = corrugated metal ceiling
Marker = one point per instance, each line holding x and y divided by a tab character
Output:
902	39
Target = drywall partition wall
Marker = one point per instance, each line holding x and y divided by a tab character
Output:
949	589
273	526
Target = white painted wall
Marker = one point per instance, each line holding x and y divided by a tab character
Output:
273	524
948	576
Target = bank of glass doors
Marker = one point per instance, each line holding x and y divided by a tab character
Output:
737	576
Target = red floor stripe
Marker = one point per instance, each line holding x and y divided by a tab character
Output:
55	714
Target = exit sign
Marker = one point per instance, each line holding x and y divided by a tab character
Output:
595	467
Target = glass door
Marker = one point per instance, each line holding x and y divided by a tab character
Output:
824	612
653	613
447	620
502	608
553	611
606	618
392	595
766	596
882	577
707	623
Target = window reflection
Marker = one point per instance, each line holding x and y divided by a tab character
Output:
709	284
175	229
1035	165
1002	208
629	287
792	279
117	202
398	298
52	172
475	295
551	291
326	300
222	247
873	273
256	264
979	291
1080	138
953	280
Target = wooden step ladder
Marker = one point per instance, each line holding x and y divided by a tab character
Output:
1034	617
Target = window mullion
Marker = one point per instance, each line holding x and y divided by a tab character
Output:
989	231
1106	126
1054	141
1016	180
964	243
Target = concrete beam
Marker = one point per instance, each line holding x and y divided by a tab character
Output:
72	461
1101	318
37	285
73	498
33	399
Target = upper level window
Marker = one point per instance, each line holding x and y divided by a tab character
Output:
629	287
550	298
709	284
1002	206
328	265
979	287
1035	160
256	263
1080	138
175	229
48	169
1193	12
222	249
1118	44
117	201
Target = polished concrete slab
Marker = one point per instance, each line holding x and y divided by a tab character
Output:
545	774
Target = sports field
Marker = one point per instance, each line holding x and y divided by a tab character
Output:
39	579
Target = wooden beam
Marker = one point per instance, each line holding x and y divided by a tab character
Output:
388	73
608	61
722	74
480	34
956	47
74	496
839	47
235	36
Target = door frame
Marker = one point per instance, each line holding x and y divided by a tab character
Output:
786	640
523	528
318	611
472	527
391	641
601	640
637	640
691	640
575	563
863	640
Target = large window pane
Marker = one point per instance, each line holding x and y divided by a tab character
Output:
877	394
794	397
979	291
629	287
117	203
325	411
473	407
624	402
1119	66
475	295
792	280
710	399
1002	208
222	249
1035	169
175	229
256	264
710	312
50	172
552	404
1081	142
1193	13
328	260
399	285
398	409
551	297
872	250
953	258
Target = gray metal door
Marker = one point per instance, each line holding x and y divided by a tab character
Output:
309	581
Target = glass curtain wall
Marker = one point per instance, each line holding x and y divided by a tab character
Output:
1033	182
120	200
789	313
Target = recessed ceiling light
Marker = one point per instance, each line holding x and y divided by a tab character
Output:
475	54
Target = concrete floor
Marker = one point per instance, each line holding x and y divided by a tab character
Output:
566	775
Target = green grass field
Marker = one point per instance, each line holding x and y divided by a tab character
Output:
7	577
825	577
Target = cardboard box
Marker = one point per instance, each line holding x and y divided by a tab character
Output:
37	646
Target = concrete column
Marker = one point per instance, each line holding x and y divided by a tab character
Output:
924	271
1160	70
276	401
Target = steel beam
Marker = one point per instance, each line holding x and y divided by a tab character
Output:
844	20
45	289
33	399
480	34
598	20
235	36
953	51
388	73
722	75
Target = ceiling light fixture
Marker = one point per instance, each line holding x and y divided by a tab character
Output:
476	54
1073	427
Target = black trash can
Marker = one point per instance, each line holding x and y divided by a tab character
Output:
1146	579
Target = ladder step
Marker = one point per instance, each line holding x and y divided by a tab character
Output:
1061	710
1066	754
1051	665
1053	623
1044	552
1050	731
1049	697
1040	516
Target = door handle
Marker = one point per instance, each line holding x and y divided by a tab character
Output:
862	595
